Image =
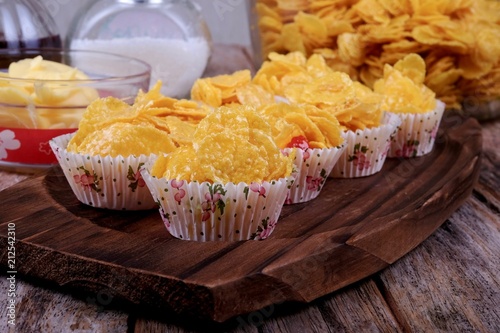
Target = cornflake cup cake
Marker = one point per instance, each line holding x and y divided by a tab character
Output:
312	82
366	149
103	158
364	127
313	136
230	184
405	95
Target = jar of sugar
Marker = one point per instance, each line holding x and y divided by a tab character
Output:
170	35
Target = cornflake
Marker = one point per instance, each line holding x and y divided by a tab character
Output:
458	40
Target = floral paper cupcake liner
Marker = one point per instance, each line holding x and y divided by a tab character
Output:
417	133
218	212
103	181
366	150
311	170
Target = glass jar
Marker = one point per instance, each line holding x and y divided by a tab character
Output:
171	35
26	24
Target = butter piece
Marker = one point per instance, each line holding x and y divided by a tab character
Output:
44	92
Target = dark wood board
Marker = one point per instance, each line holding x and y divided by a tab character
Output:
356	227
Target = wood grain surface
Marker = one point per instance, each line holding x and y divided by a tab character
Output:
356	227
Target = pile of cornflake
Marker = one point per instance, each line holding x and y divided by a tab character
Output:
459	40
154	123
328	98
231	144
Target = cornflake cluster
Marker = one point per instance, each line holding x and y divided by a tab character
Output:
299	96
153	124
229	145
459	40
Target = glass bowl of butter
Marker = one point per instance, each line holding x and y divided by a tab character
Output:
44	92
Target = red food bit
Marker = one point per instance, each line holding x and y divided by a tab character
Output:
299	142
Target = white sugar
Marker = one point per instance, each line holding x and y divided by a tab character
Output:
178	63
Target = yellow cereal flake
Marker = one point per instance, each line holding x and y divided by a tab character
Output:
359	37
331	89
153	124
183	166
401	87
290	121
228	118
232	144
309	129
231	81
181	132
220	90
204	92
253	95
223	158
126	139
413	67
100	114
312	82
282	130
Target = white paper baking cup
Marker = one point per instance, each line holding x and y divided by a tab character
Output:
102	181
366	150
218	212
417	133
311	170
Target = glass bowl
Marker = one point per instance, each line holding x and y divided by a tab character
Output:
33	111
171	35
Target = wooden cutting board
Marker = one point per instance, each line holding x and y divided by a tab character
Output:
355	228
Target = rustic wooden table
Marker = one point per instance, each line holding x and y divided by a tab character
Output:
449	283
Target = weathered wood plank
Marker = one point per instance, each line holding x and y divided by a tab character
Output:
451	282
489	180
145	324
43	311
307	320
359	309
8	179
